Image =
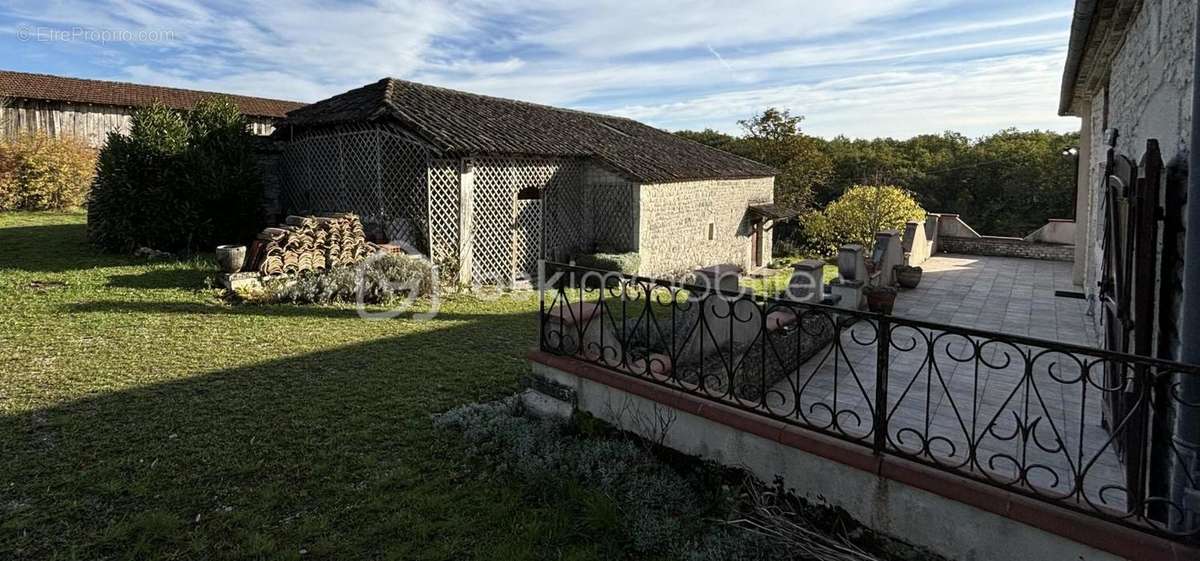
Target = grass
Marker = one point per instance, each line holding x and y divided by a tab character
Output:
141	417
778	282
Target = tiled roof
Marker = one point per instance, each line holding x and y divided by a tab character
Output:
471	124
22	85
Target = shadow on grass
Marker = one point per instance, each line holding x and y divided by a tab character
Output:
53	248
191	276
332	452
271	310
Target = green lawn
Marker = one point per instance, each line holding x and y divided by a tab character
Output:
774	284
142	417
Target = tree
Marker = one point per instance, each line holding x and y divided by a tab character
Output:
774	138
177	181
715	139
864	210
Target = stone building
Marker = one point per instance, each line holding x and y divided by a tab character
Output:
90	109
487	186
1131	78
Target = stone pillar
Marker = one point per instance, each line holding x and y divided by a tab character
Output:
852	277
720	277
807	283
887	256
466	218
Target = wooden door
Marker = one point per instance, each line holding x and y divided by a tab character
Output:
757	240
1128	287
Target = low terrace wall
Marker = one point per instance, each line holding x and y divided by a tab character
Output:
1006	247
1048	242
953	516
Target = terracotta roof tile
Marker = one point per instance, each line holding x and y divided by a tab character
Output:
22	85
464	123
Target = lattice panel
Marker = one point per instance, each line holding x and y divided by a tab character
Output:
568	219
497	181
614	216
378	174
527	237
444	208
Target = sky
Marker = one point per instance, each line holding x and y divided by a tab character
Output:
862	68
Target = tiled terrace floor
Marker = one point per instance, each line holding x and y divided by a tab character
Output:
1041	428
1014	296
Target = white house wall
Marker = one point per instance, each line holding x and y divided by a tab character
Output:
1148	96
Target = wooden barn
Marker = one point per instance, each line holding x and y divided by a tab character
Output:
90	109
487	186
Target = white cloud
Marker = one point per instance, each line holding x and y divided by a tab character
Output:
976	97
851	66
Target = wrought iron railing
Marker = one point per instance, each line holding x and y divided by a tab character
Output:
1078	427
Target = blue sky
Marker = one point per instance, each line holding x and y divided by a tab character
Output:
863	68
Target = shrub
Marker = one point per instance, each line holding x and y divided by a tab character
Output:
177	182
857	216
627	263
383	277
40	172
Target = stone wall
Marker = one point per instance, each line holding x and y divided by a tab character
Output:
1150	80
676	219
1148	95
1006	247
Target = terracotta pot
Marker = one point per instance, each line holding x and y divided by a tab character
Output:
881	300
231	258
908	277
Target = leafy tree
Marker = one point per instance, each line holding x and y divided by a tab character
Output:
177	182
1007	183
715	139
863	210
774	138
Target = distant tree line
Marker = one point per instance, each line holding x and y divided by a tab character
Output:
1007	183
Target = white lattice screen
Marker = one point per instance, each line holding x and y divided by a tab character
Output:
497	181
444	208
527	237
393	183
373	172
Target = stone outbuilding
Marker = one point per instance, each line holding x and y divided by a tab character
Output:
486	186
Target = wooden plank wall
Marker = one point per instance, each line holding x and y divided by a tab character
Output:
91	123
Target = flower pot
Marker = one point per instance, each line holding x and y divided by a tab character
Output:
908	277
231	258
881	300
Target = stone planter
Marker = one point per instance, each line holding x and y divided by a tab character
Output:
908	277
231	258
880	300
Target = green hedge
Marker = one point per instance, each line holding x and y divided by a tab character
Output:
178	181
626	263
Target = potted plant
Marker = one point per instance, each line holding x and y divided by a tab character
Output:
908	277
880	299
